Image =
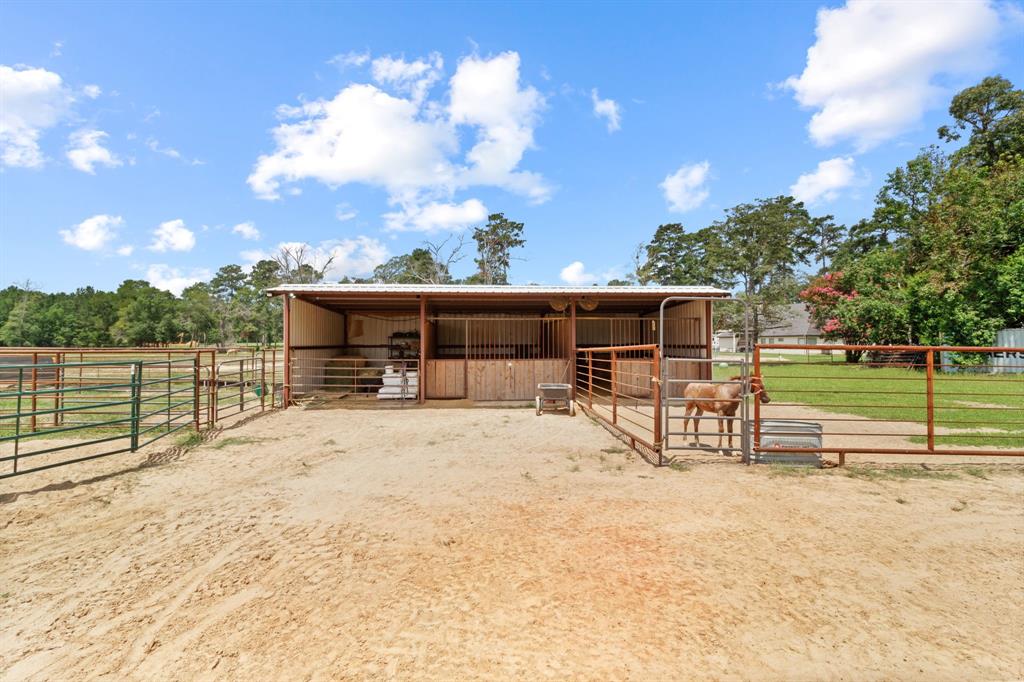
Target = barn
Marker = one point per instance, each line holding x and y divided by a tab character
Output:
407	343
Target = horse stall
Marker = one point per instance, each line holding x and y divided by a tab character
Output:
395	344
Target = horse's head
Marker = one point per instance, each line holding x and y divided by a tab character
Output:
758	389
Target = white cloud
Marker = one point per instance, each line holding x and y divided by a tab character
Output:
247	230
175	280
92	91
363	135
57	49
86	151
408	144
171	152
33	100
92	234
173	236
608	109
411	78
826	181
871	72
575	273
125	250
686	189
436	217
485	93
344	212
349	59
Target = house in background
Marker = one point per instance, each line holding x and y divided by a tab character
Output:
794	327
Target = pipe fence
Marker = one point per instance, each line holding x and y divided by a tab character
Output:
896	400
621	386
54	413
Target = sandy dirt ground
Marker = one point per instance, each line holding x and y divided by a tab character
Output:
493	544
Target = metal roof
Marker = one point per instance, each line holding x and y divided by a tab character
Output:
508	290
795	321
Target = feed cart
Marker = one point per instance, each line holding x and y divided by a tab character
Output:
556	396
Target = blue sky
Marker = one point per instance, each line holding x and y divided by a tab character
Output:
162	141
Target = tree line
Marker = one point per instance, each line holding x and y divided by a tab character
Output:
232	307
939	261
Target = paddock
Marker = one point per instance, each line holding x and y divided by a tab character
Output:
493	544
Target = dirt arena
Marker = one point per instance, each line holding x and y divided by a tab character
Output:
492	544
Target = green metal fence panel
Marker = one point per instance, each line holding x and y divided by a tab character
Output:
91	410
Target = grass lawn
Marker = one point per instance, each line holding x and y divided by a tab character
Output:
988	408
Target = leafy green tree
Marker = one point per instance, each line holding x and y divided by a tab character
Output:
146	315
495	242
762	245
679	258
24	325
197	314
827	237
992	112
417	267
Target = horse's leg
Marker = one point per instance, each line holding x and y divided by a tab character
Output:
696	425
730	429
721	429
686	420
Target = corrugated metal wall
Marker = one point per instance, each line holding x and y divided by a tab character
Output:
315	326
312	325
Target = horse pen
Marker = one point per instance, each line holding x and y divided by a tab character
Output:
453	542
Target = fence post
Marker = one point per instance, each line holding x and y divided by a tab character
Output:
656	394
195	390
757	403
930	391
615	409
263	380
241	386
56	386
212	397
590	378
35	387
17	417
136	380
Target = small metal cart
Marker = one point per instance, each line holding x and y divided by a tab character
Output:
556	396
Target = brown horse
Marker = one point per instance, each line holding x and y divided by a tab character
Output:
722	399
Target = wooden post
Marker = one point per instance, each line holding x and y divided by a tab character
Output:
287	351
930	390
615	411
572	351
421	377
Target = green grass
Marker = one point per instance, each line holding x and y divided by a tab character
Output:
893	393
189	439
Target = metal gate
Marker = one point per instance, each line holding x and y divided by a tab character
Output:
682	416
